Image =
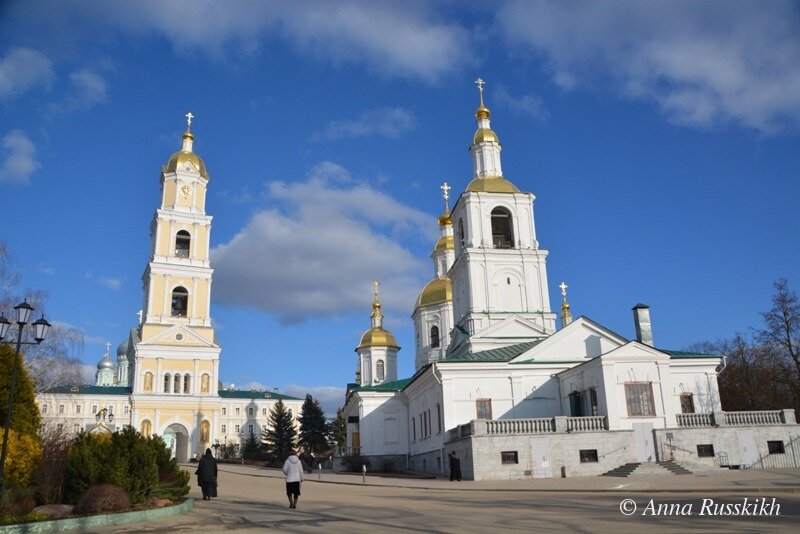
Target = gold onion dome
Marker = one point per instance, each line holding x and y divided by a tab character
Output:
491	184
445	242
185	155
485	135
436	291
378	337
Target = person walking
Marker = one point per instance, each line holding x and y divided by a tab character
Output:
207	475
293	471
455	467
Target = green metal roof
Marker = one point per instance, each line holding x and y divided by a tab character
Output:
249	394
503	354
396	385
90	390
679	354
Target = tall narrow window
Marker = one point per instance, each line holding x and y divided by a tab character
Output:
461	237
166	383
186	383
414	428
180	301
576	404
687	403
483	407
182	244
434	336
439	418
380	371
176	383
639	397
593	401
502	231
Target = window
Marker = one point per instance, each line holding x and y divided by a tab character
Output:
126	409
224	411
176	387
434	336
414	428
182	243
509	457
687	403
148	382
639	397
94	408
186	383
484	408
588	456
593	401
76	428
237	429
250	429
44	408
502	232
263	411
439	418
147	428
380	371
461	238
78	409
166	383
180	301
705	451
238	411
250	411
60	408
576	404
224	429
776	447
430	425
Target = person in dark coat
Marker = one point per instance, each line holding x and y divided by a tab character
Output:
207	475
455	467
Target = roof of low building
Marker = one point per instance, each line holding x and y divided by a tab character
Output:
90	390
502	354
253	394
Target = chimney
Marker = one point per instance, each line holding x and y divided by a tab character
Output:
644	329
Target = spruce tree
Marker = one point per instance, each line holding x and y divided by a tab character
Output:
251	446
314	429
25	415
281	435
338	433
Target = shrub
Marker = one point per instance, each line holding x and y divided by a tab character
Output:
52	468
22	459
103	498
17	502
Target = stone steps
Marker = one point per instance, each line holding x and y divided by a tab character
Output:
667	467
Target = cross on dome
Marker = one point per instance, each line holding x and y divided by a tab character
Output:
108	348
446	194
189	118
375	286
563	287
480	83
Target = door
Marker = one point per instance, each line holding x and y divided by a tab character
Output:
645	444
355	438
540	455
748	451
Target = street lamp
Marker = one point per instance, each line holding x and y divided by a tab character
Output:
40	328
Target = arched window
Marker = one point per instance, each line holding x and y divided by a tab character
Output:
434	336
166	383
204	383
186	383
461	237
147	428
180	301
182	242
379	371
176	387
148	382
502	229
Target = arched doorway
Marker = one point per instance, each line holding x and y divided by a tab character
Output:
177	439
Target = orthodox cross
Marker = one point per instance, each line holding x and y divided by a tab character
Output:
139	313
375	286
446	194
189	118
108	348
564	287
480	83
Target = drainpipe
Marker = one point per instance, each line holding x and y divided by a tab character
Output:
441	449
513	404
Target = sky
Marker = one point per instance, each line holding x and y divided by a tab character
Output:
661	140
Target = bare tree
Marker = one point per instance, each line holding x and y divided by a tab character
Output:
57	360
782	327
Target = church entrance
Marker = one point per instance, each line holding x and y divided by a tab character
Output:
177	439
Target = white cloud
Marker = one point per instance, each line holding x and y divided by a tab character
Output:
330	397
386	122
46	269
318	256
19	158
404	40
530	104
703	63
86	90
111	283
22	69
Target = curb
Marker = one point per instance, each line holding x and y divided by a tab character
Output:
73	523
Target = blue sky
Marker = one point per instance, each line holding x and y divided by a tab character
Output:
660	139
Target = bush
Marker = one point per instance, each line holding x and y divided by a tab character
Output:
22	459
141	466
52	468
103	498
17	502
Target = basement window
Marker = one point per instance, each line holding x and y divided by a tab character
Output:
588	456
705	451
509	457
776	447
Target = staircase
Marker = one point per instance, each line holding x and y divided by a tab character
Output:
667	467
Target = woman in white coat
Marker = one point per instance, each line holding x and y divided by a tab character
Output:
293	470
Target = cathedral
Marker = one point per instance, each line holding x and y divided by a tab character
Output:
517	395
166	377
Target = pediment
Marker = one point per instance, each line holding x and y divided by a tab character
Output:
582	339
512	328
179	336
633	350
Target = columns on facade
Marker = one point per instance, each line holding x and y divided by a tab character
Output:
159	379
196	378
165	310
194	297
215	384
195	238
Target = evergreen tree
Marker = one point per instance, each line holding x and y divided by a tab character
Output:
338	427
314	429
25	416
252	446
281	435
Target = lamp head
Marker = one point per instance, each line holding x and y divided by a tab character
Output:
41	327
24	311
4	325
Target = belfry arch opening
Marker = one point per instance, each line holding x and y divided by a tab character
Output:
434	336
183	242
180	301
502	228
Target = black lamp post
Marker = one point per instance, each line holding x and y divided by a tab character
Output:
41	327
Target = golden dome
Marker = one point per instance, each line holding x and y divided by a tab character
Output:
436	291
491	184
445	220
485	135
445	243
181	157
482	112
377	337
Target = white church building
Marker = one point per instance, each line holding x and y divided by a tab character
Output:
515	396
